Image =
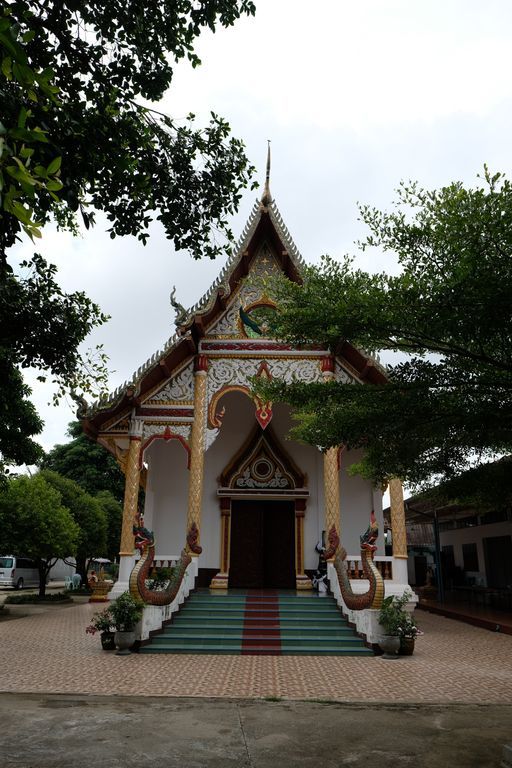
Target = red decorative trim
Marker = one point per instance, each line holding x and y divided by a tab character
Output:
225	522
167	435
333	541
300	505
299	517
225	506
175	412
215	417
328	364
135	437
263	371
264	414
192	539
200	363
338	456
248	346
288	493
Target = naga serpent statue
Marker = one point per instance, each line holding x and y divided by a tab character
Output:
145	543
374	596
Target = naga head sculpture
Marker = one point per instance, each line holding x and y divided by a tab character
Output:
143	536
369	537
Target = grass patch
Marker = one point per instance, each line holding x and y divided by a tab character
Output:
55	597
272	698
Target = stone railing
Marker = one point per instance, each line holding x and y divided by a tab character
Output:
162	561
384	565
154	616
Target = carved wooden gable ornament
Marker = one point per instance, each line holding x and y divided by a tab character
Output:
262	467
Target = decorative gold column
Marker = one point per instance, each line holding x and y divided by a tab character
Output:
131	487
197	442
331	482
396	497
301	580
221	579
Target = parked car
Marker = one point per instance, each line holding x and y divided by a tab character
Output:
18	572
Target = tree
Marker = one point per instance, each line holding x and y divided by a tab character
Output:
448	402
35	524
41	327
78	136
96	472
88	514
87	463
114	515
78	133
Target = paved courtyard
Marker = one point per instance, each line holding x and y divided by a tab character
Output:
49	652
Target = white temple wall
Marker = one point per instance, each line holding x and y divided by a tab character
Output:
357	499
167	487
237	423
310	461
165	510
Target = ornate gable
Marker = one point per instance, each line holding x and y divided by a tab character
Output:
161	390
262	466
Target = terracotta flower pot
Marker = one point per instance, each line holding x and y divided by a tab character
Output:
107	641
406	646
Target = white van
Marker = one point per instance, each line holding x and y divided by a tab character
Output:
18	572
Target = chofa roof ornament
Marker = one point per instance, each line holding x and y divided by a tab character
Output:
266	198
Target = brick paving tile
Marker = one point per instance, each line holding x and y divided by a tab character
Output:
453	662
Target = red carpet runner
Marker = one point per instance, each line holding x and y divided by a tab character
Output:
261	633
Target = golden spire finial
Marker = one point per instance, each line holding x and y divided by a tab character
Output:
266	197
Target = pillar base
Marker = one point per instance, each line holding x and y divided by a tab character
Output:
400	569
220	581
126	564
118	589
303	582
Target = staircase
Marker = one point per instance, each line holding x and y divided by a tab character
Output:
259	622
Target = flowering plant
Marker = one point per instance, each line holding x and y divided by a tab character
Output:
408	628
100	622
394	619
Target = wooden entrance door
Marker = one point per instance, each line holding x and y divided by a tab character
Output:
262	545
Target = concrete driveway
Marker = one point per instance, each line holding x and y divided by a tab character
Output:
79	731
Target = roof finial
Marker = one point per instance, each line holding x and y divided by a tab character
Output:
266	197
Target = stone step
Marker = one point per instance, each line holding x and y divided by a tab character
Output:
251	624
254	639
282	610
212	629
261	650
306	620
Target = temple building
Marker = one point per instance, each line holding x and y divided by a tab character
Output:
220	474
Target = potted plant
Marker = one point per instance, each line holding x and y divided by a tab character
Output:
395	622
408	632
102	622
125	612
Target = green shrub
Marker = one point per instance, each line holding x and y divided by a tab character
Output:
54	597
394	619
125	612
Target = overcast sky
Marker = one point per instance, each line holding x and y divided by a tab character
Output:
355	97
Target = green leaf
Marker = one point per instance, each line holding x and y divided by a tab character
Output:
7	67
54	166
54	185
22	117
